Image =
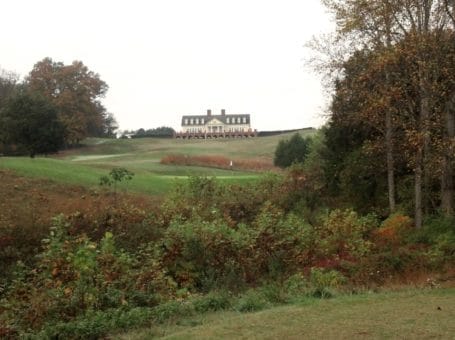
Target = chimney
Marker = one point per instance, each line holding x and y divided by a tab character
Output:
223	112
209	113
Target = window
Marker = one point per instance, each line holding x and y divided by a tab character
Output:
238	120
227	120
186	121
191	121
244	120
202	121
197	121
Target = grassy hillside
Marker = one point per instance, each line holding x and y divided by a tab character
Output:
84	166
418	314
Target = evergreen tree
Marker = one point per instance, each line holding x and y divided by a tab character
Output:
291	151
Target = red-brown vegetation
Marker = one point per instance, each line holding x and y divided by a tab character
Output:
220	162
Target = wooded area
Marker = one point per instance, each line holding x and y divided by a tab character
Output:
392	113
72	93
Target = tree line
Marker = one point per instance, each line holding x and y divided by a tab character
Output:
159	132
54	107
392	116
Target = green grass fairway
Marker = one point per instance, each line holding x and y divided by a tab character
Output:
144	181
419	314
85	165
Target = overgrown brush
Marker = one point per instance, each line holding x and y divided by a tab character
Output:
208	247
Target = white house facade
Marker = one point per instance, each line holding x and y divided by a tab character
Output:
222	125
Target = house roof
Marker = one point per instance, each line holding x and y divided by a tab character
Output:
221	118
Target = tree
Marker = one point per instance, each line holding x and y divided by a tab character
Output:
30	122
409	31
76	92
291	151
8	83
159	132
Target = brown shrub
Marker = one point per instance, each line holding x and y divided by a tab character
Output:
220	162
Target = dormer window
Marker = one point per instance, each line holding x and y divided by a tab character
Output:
197	121
186	121
191	121
227	120
202	120
244	120
238	120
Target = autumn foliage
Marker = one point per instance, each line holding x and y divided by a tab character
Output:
114	259
219	162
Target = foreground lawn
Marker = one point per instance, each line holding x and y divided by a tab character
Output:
417	314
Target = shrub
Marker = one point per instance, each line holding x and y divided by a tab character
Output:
251	301
296	284
170	310
322	281
213	301
291	151
345	235
75	275
198	253
393	230
438	236
95	324
274	293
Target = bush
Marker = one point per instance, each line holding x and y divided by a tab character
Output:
251	301
170	310
75	275
200	254
291	151
323	281
95	324
345	235
204	255
213	301
393	231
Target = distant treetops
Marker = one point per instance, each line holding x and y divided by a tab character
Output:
55	106
159	132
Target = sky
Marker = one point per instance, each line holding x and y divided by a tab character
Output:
166	58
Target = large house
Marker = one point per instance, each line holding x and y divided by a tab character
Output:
216	126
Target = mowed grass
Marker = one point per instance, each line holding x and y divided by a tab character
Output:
63	171
417	314
85	165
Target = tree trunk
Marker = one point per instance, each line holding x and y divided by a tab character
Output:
389	128
447	188
418	217
390	161
420	174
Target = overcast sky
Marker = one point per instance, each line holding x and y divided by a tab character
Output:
165	58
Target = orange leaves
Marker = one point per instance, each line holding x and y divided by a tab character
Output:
393	230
